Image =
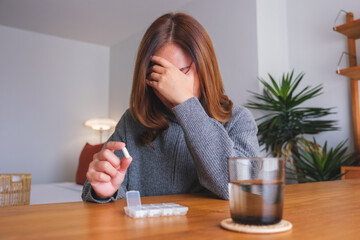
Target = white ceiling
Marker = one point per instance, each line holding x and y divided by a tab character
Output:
104	22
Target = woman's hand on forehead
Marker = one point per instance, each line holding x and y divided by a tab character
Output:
170	82
161	61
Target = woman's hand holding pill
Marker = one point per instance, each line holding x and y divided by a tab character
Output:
106	172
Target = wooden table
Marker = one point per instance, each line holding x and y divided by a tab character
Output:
326	210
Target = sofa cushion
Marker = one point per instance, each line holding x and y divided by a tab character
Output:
85	158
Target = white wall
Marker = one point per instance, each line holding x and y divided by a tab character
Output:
272	39
48	87
315	48
122	62
231	25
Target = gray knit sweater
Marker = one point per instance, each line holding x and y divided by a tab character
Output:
190	156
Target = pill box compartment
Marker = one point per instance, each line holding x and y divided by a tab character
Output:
135	209
156	210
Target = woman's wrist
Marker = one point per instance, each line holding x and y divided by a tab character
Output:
184	99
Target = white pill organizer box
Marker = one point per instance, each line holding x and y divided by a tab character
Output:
135	209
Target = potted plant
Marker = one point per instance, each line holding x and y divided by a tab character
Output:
315	163
285	121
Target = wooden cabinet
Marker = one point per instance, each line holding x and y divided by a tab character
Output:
351	29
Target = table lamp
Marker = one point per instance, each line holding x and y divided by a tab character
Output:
100	124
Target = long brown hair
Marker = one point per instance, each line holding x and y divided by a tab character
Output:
190	35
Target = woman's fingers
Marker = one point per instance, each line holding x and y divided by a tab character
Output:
102	177
158	69
105	167
114	146
103	171
108	155
154	79
93	176
162	61
125	163
106	164
155	76
153	84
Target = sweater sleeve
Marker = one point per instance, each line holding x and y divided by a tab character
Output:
88	193
211	143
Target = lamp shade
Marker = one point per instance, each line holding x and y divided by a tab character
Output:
100	123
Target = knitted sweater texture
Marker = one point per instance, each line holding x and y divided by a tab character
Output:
190	156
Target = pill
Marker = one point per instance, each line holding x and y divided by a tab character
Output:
125	152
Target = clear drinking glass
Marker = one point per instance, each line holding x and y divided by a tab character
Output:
256	190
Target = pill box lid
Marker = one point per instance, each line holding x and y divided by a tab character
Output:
133	199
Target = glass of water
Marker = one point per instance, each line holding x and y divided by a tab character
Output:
256	190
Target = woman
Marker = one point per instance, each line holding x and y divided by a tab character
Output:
181	127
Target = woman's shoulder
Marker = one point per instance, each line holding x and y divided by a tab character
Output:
240	115
241	112
127	121
127	115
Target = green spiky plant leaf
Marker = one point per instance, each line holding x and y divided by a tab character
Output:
315	163
285	121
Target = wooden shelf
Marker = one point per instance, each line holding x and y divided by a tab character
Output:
352	172
351	29
351	72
